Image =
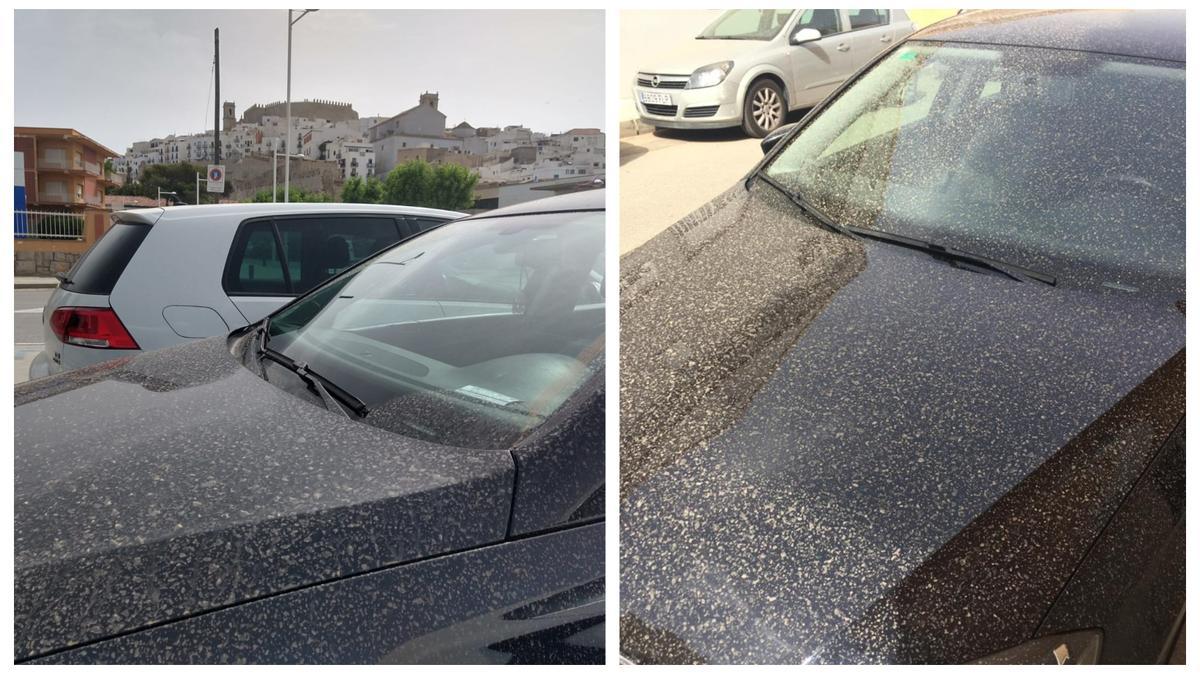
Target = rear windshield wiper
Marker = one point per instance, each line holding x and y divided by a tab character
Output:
804	205
953	255
333	396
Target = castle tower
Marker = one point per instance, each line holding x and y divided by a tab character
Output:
228	116
430	100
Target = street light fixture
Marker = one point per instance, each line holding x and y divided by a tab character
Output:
275	172
287	163
162	192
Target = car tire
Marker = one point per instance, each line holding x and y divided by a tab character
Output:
764	109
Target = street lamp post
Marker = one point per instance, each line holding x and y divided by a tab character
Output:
287	162
275	172
162	192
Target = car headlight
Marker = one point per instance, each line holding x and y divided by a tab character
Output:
1078	648
710	75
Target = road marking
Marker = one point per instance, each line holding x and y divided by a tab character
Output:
31	310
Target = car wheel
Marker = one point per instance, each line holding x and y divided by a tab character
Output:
764	109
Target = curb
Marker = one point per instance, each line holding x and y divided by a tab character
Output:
18	283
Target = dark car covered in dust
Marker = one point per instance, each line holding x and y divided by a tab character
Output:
404	465
914	391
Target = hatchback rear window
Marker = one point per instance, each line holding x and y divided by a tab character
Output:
98	269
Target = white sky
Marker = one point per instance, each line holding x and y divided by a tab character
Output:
125	75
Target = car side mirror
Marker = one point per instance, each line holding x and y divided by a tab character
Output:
806	35
772	139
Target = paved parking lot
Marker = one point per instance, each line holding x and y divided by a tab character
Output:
667	174
27	327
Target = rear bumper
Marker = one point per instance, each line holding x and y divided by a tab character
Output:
40	366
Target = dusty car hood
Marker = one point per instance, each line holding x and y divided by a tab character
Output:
179	481
689	55
844	451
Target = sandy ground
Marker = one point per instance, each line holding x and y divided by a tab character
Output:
666	175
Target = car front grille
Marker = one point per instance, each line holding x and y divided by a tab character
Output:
663	84
661	110
701	111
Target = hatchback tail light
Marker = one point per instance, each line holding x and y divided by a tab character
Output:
95	327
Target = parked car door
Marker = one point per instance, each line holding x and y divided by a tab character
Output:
816	67
869	31
272	260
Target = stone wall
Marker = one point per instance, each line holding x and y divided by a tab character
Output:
43	263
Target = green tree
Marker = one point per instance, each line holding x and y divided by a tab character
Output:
360	190
419	183
453	187
410	184
352	190
295	194
373	191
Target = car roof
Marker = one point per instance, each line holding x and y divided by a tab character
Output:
586	200
1145	33
153	215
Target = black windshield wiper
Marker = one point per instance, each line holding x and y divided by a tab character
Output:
953	255
330	393
812	211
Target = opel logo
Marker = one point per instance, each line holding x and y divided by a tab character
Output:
654	81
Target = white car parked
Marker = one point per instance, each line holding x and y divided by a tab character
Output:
163	276
751	66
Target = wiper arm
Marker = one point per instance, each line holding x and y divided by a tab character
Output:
1014	272
330	393
806	207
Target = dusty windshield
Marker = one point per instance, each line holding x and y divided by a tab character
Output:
470	335
747	24
1067	162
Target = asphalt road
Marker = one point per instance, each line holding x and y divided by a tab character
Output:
27	327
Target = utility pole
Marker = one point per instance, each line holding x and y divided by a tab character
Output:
287	148
216	97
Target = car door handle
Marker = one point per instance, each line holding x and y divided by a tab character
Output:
886	38
843	47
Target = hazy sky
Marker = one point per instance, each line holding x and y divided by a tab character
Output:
125	75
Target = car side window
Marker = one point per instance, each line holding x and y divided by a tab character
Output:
423	224
318	248
867	18
824	20
314	249
255	267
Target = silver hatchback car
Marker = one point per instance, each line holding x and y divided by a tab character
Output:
164	276
751	66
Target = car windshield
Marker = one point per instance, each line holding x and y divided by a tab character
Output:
1066	162
747	24
469	335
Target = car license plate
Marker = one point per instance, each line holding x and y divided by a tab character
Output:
654	98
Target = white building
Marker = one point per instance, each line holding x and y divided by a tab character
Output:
355	158
512	154
422	126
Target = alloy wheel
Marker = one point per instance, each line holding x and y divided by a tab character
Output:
767	108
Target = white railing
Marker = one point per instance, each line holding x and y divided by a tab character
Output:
47	225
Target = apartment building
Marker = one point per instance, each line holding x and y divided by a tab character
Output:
62	168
